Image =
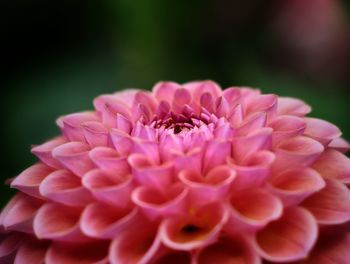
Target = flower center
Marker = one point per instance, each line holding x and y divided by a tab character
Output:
178	123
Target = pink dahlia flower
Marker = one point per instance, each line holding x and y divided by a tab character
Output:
184	174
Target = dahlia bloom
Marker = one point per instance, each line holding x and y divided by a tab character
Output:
184	174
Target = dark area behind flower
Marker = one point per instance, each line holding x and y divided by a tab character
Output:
59	55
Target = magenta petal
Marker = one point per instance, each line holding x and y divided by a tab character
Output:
58	222
105	222
9	244
175	257
214	186
44	151
31	252
95	133
290	238
228	250
71	125
321	130
285	127
340	145
253	171
333	165
253	210
331	205
242	147
292	106
136	245
294	185
75	157
64	187
70	253
109	159
19	213
29	180
297	151
194	231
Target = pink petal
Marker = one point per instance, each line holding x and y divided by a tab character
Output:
31	252
110	105
331	248
123	124
228	250
121	141
44	151
196	231
144	132
214	186
285	127
292	106
105	222
340	145
253	171
95	133
64	187
148	174
71	125
109	187
70	253
155	203
333	165
136	245
109	159
252	123
19	213
175	257
262	103
200	87
232	94
146	99
164	91
75	157
242	147
58	222
222	107
321	130
29	180
253	210
290	238
9	245
147	148
295	185
190	160
181	97
215	154
297	151
235	117
207	102
331	205
125	97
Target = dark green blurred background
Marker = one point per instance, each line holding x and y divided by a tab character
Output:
59	55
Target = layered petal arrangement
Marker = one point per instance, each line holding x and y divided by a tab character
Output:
184	174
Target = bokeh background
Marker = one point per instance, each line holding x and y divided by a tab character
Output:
59	54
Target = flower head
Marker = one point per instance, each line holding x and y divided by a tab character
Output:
184	174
